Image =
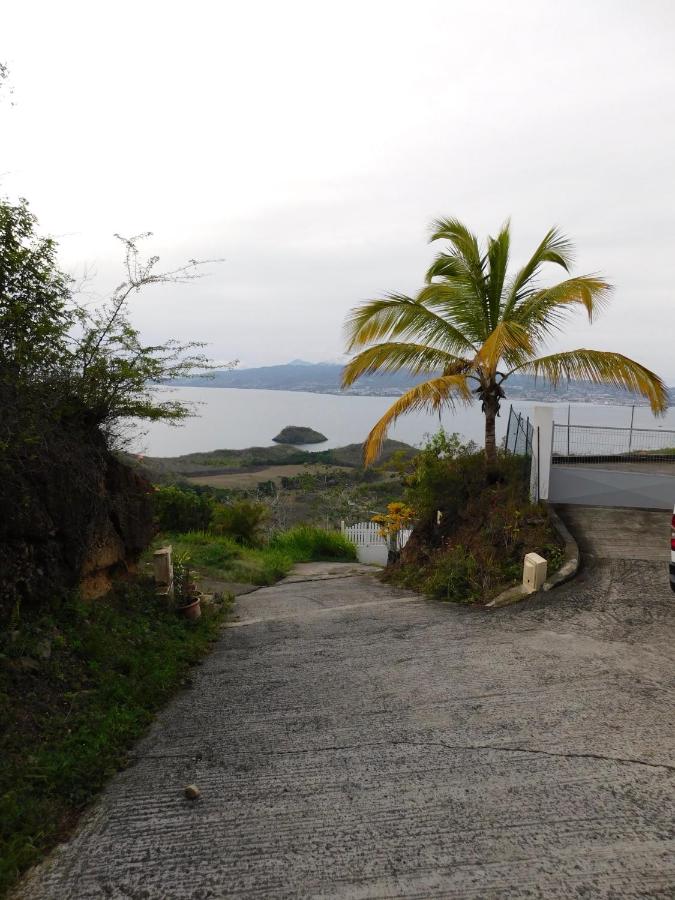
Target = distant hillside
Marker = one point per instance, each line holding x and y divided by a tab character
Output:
324	378
318	378
217	462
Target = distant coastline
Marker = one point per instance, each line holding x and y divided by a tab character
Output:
324	378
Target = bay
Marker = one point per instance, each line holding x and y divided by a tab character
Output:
236	418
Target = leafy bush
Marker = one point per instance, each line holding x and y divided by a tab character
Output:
177	509
306	543
486	524
452	477
242	521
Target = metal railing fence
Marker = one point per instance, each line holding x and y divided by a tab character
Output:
521	441
519	433
604	443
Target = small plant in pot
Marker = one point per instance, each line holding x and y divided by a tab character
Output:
185	590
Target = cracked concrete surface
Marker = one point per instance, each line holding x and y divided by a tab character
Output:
357	741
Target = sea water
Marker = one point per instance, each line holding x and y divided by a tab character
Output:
237	418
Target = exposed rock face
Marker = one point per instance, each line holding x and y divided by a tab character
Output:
299	434
73	515
121	531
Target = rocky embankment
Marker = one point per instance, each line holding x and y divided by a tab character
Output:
77	517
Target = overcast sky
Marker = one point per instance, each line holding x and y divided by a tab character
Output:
310	144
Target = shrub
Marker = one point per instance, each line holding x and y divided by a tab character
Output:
487	524
453	478
242	521
306	543
177	509
453	576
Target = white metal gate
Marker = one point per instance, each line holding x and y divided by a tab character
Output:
371	547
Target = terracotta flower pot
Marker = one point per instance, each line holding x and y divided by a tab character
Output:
192	611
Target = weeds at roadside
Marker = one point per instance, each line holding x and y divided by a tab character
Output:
79	682
218	556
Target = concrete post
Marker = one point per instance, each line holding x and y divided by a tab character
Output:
163	569
542	419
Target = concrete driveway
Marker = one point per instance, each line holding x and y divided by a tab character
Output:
621	534
351	740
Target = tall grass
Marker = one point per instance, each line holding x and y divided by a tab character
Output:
306	543
263	567
211	551
220	557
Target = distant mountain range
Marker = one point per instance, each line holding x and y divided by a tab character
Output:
324	378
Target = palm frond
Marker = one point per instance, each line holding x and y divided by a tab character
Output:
431	396
398	316
498	261
460	306
394	356
554	248
509	341
464	241
447	265
544	311
601	367
467	261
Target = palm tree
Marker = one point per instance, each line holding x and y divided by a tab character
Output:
471	327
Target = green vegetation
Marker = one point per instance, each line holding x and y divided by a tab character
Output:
215	461
84	365
299	434
78	684
220	557
180	509
191	509
241	521
191	495
71	374
231	546
471	328
475	548
306	543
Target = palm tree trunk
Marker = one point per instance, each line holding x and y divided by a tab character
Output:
490	438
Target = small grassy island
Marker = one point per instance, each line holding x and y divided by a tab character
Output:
299	434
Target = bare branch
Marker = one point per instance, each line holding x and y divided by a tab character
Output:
140	273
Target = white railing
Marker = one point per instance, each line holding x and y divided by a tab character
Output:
371	547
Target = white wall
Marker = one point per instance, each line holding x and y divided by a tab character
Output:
372	554
371	547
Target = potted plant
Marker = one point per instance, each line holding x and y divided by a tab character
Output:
185	590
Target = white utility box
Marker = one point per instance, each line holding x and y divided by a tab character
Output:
534	572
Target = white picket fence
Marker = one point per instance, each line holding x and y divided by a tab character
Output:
371	547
